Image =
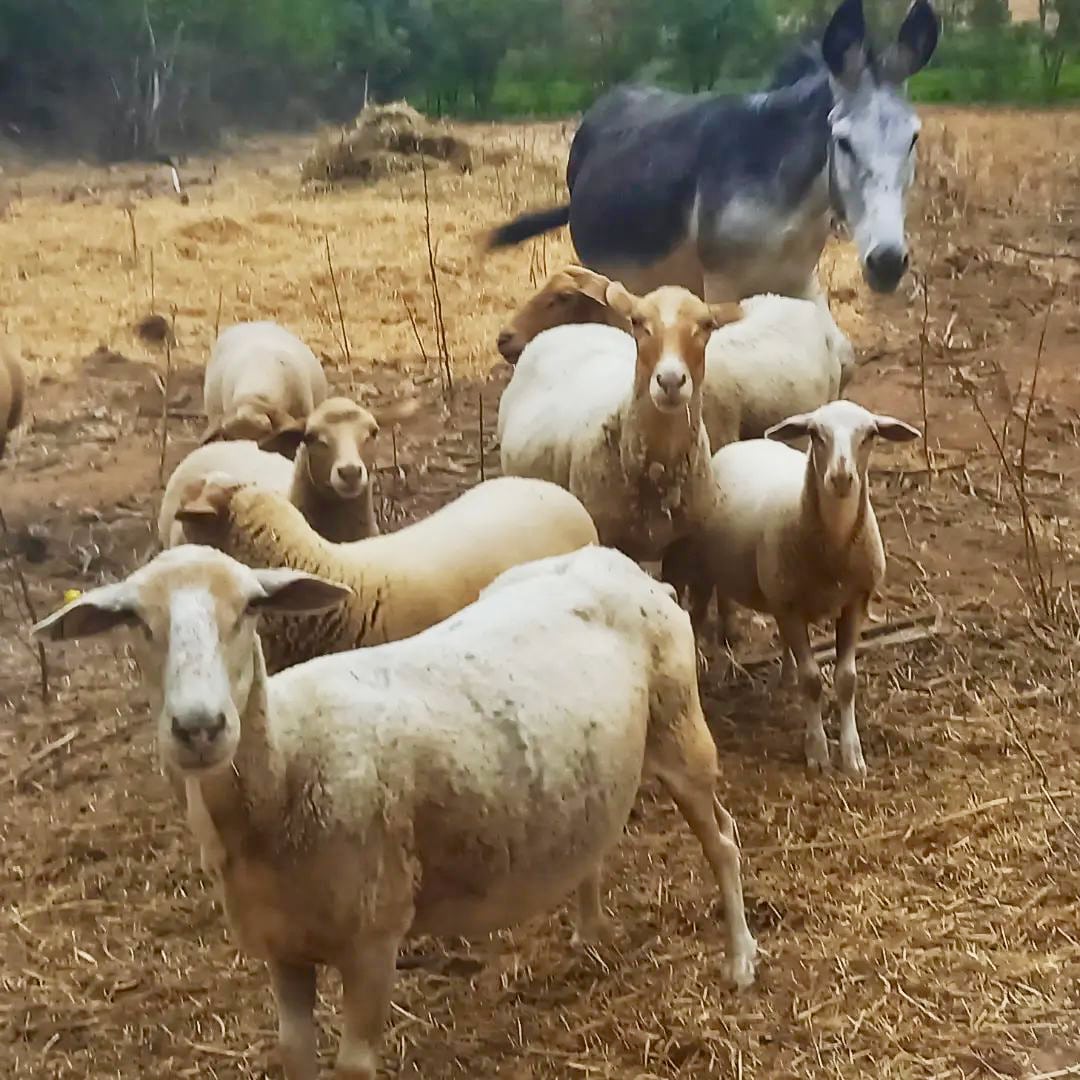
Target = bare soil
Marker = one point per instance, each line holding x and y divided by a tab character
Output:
921	924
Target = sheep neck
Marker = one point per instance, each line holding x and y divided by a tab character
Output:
648	435
333	517
828	540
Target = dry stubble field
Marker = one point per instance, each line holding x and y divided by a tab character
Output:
923	923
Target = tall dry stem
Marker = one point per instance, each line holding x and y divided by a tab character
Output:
443	347
345	350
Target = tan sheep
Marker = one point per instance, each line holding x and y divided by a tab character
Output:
260	379
404	581
330	480
616	419
793	534
466	780
12	391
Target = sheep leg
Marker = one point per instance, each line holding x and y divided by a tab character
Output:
687	766
294	992
847	639
367	980
796	636
593	926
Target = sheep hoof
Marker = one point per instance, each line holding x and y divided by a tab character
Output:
853	761
592	935
817	755
740	970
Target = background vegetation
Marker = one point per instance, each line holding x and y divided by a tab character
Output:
136	77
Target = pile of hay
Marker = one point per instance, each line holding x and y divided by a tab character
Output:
385	140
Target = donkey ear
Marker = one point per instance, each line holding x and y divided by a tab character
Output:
915	43
843	45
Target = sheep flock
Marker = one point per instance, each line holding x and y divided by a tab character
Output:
508	699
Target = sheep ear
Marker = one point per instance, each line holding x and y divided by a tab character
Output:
214	433
95	612
205	499
285	440
888	427
794	427
725	314
589	283
297	593
618	299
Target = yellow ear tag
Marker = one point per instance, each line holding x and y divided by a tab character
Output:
71	594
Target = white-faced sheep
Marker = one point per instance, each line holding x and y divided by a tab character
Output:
782	357
616	419
794	534
329	481
468	779
403	582
260	378
12	391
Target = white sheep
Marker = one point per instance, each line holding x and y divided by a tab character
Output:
616	419
12	391
462	781
260	378
404	581
782	357
793	534
329	481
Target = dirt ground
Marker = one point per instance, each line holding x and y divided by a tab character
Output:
921	924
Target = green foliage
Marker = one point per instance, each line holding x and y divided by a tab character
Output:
139	76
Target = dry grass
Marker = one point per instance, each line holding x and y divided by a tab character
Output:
923	924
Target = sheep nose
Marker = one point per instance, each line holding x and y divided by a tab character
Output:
197	728
671	382
885	266
841	482
508	346
349	474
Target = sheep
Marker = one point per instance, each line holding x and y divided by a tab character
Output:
463	781
616	419
793	534
329	482
12	392
405	581
260	378
783	356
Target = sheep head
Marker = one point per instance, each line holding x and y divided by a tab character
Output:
195	610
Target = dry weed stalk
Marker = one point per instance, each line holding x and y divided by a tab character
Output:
166	391
446	375
153	282
480	424
924	343
217	317
345	350
416	333
1040	583
23	590
129	210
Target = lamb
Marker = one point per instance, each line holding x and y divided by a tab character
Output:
403	582
260	378
616	419
783	356
463	781
330	481
794	534
12	391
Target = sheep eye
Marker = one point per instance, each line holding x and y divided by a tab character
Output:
637	323
914	140
844	145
